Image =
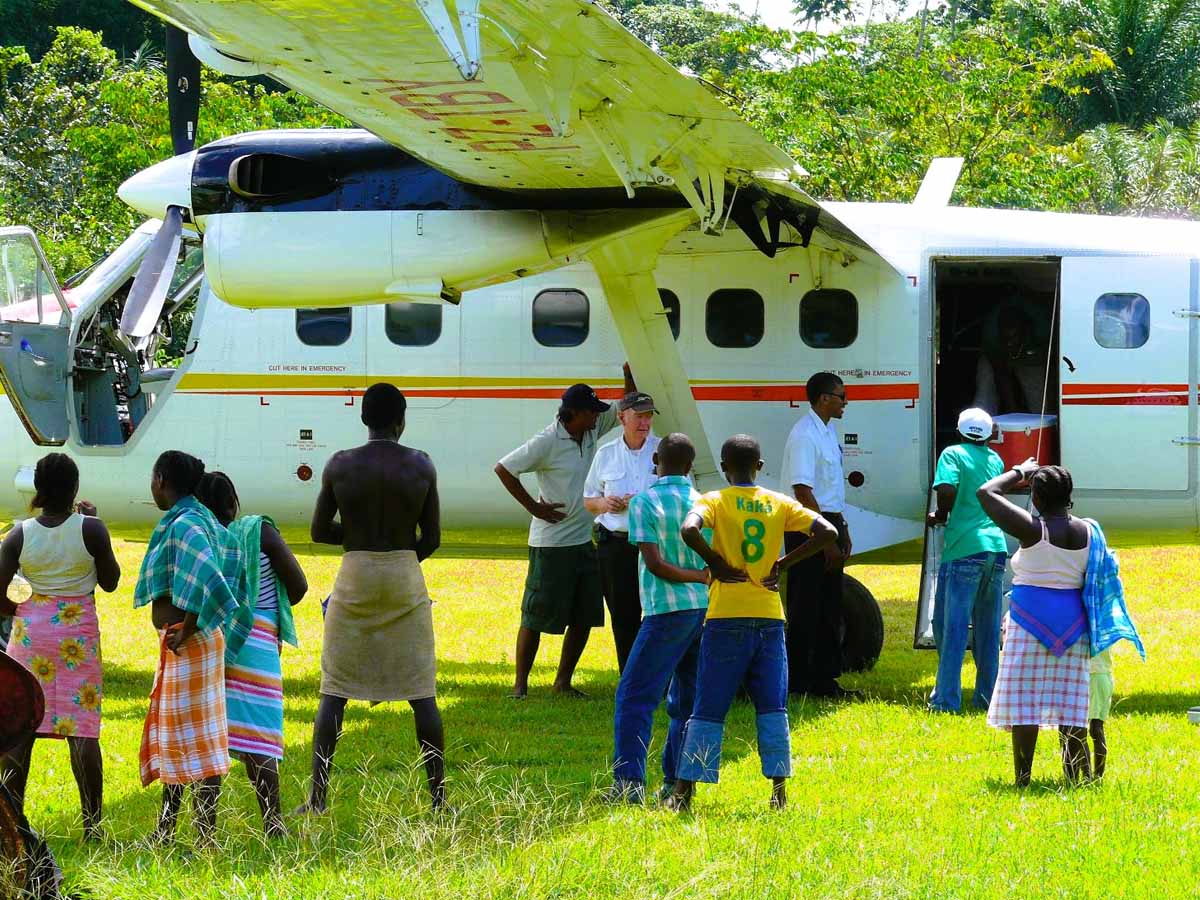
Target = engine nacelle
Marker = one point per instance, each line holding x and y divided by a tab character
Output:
287	259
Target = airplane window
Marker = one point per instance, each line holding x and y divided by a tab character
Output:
1121	321
828	318
413	324
734	318
323	327
671	304
560	318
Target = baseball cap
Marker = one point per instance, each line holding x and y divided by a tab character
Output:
638	401
975	424
581	396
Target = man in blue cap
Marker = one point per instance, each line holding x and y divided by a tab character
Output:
562	588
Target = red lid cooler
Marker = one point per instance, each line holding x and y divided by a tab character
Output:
1023	435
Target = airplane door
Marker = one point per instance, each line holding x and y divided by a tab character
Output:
35	328
1125	350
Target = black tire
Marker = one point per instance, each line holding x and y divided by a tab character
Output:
862	639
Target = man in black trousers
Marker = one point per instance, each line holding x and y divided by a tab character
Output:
812	470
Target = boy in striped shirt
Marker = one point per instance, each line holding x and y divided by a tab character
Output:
674	595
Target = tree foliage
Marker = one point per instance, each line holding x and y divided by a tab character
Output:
1154	46
32	24
77	123
866	116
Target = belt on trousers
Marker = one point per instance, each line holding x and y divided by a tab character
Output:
605	534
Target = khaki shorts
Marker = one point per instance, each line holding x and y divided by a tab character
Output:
562	589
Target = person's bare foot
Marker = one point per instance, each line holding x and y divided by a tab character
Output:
275	829
309	809
778	796
570	691
680	800
678	803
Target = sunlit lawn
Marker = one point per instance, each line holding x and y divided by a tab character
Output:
886	801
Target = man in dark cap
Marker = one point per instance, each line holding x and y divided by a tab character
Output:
622	469
562	588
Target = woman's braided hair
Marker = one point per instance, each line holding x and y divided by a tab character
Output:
55	482
1052	485
216	491
180	470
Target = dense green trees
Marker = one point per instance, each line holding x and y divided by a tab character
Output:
31	23
78	122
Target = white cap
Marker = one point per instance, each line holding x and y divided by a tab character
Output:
975	424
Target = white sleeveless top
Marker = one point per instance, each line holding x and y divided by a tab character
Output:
1044	565
55	561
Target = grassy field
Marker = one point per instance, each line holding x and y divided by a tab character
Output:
887	801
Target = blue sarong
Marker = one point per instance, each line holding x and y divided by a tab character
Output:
1055	616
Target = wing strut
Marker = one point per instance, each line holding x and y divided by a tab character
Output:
626	270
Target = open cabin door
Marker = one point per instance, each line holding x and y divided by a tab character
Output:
1125	347
35	328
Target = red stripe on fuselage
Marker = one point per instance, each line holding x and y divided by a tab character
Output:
732	392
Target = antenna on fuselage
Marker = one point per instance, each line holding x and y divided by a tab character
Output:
939	182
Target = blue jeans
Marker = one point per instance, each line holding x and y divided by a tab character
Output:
733	650
666	650
968	593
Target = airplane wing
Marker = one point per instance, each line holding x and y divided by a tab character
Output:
520	94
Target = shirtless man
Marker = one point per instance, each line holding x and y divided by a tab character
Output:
378	643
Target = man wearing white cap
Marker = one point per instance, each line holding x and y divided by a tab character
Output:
971	576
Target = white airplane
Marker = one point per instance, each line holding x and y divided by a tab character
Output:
536	196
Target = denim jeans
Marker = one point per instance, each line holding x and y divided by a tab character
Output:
733	650
666	650
968	593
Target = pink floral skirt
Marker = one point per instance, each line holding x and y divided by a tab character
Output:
58	640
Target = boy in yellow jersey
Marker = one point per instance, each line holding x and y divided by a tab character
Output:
743	634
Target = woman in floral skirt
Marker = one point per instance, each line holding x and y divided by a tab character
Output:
63	554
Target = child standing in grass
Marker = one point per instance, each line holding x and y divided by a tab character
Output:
743	638
1100	691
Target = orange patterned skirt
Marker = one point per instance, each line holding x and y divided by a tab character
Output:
186	735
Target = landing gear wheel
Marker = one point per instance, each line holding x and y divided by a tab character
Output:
862	640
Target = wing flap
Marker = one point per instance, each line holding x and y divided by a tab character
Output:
548	67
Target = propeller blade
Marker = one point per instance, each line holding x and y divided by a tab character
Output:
148	294
183	90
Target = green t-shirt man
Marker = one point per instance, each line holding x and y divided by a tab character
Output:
966	467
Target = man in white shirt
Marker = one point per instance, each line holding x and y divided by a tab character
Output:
812	472
623	468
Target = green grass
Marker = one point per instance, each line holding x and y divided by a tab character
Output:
886	800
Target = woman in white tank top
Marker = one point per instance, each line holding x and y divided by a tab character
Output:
56	635
1043	678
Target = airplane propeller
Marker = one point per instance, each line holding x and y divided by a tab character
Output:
148	294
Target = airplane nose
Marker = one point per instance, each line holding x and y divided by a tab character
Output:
168	183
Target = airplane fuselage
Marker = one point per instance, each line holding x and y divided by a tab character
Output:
267	395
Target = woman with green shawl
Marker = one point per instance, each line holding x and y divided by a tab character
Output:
254	678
